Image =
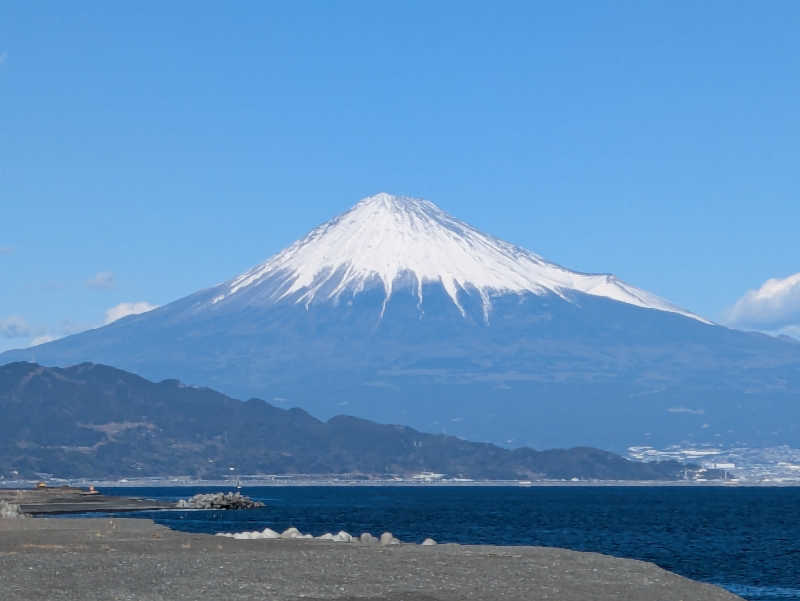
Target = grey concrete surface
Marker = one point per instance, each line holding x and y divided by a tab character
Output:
63	500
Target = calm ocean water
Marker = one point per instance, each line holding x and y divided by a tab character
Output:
744	539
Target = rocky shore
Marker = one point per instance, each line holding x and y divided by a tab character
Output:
102	559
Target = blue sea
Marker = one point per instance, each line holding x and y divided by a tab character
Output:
746	540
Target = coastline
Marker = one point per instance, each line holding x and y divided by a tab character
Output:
93	559
67	500
303	480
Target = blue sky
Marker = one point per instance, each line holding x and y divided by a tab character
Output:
154	150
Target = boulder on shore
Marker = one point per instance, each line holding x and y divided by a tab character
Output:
387	538
343	537
367	539
220	500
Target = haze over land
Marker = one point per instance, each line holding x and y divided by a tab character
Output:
94	421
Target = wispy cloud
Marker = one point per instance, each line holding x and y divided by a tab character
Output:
14	327
21	334
6	250
44	338
793	331
44	334
686	410
772	307
124	309
3	57
102	280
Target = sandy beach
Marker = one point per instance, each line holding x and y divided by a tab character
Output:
126	559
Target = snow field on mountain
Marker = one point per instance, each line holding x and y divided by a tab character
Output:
392	238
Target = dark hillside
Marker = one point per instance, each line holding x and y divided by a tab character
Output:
97	421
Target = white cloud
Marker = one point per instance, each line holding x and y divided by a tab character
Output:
124	309
686	410
14	327
793	331
774	306
3	57
101	280
42	335
43	339
20	334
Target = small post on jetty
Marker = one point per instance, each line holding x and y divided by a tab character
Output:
236	483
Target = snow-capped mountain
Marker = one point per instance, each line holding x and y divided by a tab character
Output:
391	241
397	312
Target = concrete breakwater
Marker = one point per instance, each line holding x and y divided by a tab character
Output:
387	538
66	499
220	500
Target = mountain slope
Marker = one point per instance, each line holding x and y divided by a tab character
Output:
96	421
397	312
390	241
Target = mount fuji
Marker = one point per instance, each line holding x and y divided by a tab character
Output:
392	243
398	312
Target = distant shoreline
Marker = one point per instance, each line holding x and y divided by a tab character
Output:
257	481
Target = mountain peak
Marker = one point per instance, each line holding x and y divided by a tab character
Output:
394	202
389	241
390	212
395	213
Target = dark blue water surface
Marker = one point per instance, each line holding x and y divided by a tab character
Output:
744	539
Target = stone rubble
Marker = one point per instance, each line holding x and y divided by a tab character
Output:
220	500
10	511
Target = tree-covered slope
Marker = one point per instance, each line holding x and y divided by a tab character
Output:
96	421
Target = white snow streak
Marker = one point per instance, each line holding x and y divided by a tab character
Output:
395	238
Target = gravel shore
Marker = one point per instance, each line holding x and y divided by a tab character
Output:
127	559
